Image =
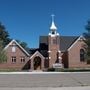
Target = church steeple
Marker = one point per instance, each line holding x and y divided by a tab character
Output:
53	28
54	54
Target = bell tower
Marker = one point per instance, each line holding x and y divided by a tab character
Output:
54	45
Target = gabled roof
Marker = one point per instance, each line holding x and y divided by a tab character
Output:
32	50
17	45
65	41
79	38
37	52
43	39
43	52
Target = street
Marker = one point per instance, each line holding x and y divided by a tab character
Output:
44	79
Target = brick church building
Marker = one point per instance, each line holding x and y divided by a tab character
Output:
54	51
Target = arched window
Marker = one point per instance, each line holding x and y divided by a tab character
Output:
82	55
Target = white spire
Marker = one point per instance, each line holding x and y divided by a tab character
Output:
53	27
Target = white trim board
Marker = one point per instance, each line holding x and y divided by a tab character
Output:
16	44
76	42
38	53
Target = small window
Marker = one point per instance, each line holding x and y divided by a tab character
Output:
82	55
13	48
53	32
13	59
22	59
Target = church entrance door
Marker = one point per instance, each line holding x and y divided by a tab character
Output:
37	63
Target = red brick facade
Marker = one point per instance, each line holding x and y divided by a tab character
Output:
51	52
18	54
70	58
74	55
54	50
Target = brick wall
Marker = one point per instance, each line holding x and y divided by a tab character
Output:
74	56
18	64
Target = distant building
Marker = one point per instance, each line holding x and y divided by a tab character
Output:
54	51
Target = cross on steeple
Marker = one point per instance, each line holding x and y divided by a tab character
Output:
53	27
52	17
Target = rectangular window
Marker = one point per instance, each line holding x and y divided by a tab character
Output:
22	59
13	59
13	48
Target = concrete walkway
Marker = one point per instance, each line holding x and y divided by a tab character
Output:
49	88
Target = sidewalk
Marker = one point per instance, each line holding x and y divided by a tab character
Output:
49	88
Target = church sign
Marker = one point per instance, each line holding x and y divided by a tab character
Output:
57	65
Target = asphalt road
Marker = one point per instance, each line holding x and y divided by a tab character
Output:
30	80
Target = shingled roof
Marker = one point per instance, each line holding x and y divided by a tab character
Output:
33	50
65	41
43	39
